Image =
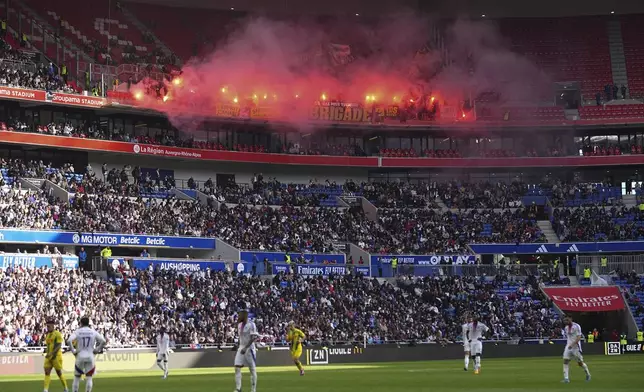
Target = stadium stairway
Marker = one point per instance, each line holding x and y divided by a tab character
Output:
638	296
630	201
617	56
548	231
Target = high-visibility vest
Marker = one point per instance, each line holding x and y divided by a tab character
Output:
590	338
556	263
63	70
288	259
623	340
587	273
604	261
394	262
640	336
4	25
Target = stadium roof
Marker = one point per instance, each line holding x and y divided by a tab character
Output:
475	8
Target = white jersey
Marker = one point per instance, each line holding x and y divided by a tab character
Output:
573	332
476	330
465	334
86	341
247	334
163	343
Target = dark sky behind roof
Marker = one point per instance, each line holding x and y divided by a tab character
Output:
446	8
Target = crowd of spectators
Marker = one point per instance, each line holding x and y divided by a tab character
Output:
482	195
401	194
273	192
599	224
588	194
24	74
288	228
436	231
200	308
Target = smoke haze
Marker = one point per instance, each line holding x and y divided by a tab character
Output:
288	66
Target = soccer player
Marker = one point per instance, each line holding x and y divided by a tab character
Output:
85	343
475	331
573	348
163	349
295	337
466	343
246	353
54	355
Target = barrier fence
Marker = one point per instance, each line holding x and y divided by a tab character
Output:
625	263
387	270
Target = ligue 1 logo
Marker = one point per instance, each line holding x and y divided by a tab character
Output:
136	148
613	348
76	238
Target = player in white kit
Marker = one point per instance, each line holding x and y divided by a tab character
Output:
476	330
85	343
163	350
466	342
246	353
573	348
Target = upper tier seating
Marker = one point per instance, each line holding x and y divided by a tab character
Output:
633	37
191	32
611	111
90	24
568	49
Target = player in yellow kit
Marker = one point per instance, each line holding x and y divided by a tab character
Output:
54	355
295	337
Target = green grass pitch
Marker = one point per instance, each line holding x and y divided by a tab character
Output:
614	374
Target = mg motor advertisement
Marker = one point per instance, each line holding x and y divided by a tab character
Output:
586	299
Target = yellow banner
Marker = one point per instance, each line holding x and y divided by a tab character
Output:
262	112
223	110
342	113
117	360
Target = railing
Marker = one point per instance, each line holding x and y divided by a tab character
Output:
625	263
460	270
19	65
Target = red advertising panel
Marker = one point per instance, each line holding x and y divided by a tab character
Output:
17	364
184	153
586	299
19	93
78	100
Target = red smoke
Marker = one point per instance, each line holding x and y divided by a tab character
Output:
288	66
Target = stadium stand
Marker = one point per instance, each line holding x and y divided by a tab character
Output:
195	32
566	48
612	111
90	26
634	52
385	311
598	224
632	286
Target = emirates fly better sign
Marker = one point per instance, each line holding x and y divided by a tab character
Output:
586	299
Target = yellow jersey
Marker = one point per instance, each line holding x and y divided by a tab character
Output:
295	336
52	339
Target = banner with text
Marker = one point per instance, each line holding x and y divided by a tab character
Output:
318	269
564	247
103	239
186	266
586	299
311	258
423	260
14	260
